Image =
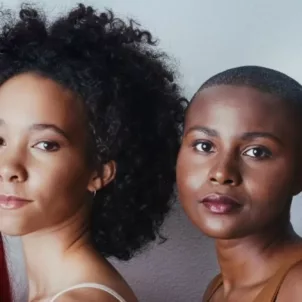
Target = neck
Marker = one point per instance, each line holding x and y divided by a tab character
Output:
253	259
49	252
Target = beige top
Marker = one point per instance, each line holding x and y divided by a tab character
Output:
90	285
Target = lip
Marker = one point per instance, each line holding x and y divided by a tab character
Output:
11	202
220	204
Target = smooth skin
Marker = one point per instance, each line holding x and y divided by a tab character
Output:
43	158
243	143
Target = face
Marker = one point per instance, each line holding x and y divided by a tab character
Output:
237	167
44	176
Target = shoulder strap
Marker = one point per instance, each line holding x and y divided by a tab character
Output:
271	290
90	285
212	288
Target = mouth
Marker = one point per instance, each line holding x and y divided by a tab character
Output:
220	204
11	202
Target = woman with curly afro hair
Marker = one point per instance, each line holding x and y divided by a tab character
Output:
90	120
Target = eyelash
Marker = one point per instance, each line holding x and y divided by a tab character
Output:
266	151
55	146
53	143
196	143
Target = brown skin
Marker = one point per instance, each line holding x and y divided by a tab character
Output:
48	165
241	142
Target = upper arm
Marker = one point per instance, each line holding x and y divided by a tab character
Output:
291	289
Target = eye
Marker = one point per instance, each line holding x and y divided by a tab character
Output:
47	146
204	146
258	152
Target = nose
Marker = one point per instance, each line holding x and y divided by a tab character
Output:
11	167
225	172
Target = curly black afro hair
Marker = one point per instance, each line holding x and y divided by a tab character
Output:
134	109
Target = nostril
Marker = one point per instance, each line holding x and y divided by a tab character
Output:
228	182
224	182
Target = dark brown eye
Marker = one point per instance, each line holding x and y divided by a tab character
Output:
258	152
206	147
47	146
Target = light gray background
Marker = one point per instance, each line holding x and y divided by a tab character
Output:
204	37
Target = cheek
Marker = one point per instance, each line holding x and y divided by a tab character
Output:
189	182
59	180
190	179
271	187
273	176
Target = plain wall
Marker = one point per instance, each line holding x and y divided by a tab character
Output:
204	37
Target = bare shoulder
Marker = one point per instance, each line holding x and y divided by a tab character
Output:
291	289
91	268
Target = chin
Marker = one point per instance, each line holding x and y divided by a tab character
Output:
217	234
13	231
13	227
218	229
220	235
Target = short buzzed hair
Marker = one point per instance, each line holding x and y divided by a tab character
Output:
261	78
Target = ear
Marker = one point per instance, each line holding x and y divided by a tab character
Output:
101	178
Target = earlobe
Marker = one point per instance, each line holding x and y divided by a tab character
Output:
103	177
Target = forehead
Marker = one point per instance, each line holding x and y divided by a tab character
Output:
30	98
240	107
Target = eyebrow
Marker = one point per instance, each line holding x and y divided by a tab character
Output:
205	130
245	136
251	135
42	127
